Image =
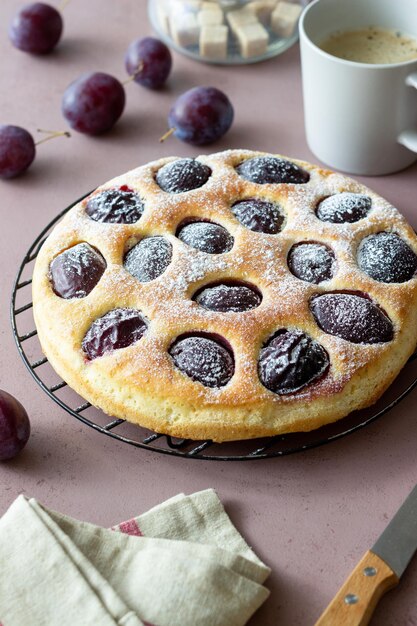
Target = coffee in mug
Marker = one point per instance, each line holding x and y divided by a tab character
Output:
371	45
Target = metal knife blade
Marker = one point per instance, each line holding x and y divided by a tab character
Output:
398	543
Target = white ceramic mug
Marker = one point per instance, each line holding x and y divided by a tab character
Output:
359	118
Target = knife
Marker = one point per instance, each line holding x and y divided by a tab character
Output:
379	570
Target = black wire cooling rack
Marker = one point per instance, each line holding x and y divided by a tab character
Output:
29	348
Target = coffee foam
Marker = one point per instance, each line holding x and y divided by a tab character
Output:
371	45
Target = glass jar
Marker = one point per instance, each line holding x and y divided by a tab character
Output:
227	31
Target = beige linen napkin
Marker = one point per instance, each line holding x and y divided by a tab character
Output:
182	563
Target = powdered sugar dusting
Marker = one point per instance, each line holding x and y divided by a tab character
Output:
258	215
387	258
115	330
200	267
270	169
149	258
351	317
210	238
182	175
344	207
75	272
224	298
115	206
203	360
290	361
311	262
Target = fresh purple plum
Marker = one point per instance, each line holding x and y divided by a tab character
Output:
36	28
201	115
14	426
93	103
149	61
17	150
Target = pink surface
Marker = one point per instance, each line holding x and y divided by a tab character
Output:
310	516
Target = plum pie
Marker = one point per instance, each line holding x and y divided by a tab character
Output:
230	296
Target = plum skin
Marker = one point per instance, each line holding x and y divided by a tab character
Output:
17	150
93	103
201	115
36	28
14	426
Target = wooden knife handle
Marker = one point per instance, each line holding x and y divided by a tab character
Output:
357	598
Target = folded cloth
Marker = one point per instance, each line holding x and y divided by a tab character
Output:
182	563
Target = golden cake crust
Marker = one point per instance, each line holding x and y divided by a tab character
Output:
141	383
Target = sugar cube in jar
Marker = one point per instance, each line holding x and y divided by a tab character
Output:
227	31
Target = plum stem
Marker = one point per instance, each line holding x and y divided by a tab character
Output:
169	132
137	71
63	4
52	135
